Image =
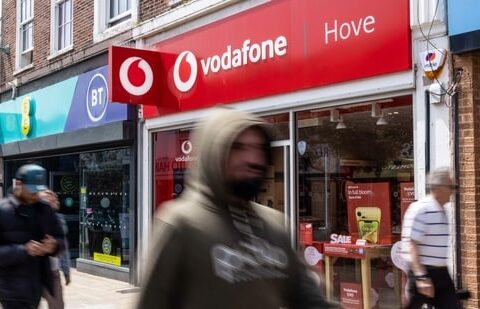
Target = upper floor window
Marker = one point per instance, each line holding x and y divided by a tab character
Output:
62	24
113	17
24	33
119	10
26	25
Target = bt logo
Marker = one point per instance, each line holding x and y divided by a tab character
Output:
185	86
127	76
97	94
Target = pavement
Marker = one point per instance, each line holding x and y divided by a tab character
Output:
93	292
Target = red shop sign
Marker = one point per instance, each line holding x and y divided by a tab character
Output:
279	47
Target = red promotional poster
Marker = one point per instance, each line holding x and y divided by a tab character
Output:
279	47
351	295
369	211
407	196
172	158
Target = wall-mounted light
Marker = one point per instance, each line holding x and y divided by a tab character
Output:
5	50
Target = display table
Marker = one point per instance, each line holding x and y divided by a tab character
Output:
363	253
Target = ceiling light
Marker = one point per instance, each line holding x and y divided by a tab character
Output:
341	125
382	121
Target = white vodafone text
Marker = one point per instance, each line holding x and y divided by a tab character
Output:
248	53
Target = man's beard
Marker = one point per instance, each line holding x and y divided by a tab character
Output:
245	189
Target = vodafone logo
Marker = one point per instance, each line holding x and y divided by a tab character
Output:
125	78
185	86
246	54
187	147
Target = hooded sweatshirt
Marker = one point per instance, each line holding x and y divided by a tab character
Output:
212	250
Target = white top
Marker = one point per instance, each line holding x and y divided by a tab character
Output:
426	223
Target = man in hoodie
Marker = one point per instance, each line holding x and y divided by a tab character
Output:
213	247
29	234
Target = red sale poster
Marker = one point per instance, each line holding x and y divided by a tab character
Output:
351	295
369	211
407	196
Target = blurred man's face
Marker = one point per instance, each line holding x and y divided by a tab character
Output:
248	156
24	195
247	162
442	193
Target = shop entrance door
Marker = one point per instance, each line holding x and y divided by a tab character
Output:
275	192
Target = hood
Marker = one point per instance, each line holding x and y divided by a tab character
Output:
213	139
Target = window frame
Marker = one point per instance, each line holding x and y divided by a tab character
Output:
22	23
55	26
22	61
106	27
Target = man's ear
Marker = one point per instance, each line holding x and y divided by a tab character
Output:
17	185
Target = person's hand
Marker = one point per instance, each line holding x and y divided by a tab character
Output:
34	248
425	287
50	198
49	244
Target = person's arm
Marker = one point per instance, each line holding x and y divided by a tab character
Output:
161	287
55	237
422	280
12	255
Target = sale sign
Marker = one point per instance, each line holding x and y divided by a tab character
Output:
369	211
278	47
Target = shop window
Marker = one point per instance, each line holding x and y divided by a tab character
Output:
355	179
280	126
63	176
172	155
104	206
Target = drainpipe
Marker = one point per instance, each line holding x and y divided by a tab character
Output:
427	132
458	251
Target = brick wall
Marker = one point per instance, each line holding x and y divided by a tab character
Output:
151	8
469	144
83	45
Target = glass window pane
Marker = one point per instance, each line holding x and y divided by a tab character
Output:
113	8
61	14
172	151
60	40
356	153
23	10
280	126
68	10
68	34
104	208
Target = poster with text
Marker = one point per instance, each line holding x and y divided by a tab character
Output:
407	196
351	295
369	211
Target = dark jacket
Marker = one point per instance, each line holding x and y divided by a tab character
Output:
23	277
212	252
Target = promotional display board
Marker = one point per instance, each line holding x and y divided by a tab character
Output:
172	156
278	47
407	196
369	211
351	295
